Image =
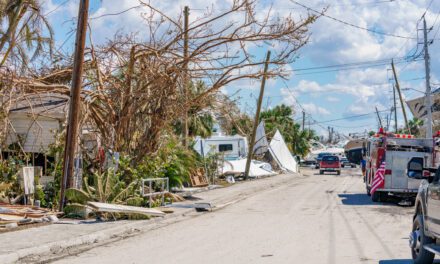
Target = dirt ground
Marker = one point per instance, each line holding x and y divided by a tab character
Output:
311	219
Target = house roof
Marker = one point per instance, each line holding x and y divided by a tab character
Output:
41	104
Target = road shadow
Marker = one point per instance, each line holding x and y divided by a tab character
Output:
355	199
400	261
359	199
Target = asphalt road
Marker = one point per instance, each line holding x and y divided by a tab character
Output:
312	219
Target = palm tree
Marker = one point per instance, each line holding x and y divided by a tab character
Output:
414	125
25	29
200	118
296	139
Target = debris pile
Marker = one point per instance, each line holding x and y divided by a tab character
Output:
12	216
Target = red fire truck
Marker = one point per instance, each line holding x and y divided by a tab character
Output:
404	157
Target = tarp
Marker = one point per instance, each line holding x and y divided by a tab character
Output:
257	168
261	145
281	153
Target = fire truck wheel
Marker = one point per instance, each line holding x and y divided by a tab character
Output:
338	173
376	197
321	172
418	240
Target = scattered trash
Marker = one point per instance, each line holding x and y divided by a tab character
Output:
12	216
11	225
230	179
201	207
238	167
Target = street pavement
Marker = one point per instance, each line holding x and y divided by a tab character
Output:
310	219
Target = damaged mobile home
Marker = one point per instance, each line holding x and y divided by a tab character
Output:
234	150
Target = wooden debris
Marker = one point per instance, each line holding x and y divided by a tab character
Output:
175	197
124	209
198	178
166	210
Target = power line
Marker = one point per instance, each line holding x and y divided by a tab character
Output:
56	8
351	25
350	64
351	117
118	13
350	68
293	8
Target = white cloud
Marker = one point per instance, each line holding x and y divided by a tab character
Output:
313	109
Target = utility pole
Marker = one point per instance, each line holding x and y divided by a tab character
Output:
185	77
400	96
257	117
378	117
304	120
395	109
333	132
75	101
329	134
428	103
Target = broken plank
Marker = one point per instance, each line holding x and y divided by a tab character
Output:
124	209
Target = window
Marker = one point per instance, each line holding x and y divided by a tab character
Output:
415	168
330	158
224	147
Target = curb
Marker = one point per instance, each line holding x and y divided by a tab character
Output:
102	236
49	250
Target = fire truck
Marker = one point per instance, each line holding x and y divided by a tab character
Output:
405	157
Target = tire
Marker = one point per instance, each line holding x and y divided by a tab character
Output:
419	254
375	197
338	173
321	172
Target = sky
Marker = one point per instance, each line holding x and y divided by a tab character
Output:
352	32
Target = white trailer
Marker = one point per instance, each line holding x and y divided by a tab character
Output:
232	147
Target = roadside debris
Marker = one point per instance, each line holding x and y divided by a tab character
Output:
124	209
204	206
12	216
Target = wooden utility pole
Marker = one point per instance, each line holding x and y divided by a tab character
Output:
257	117
428	103
75	101
400	96
378	117
185	78
395	109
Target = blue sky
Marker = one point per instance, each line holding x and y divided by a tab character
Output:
323	95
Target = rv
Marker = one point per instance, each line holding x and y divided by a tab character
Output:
232	147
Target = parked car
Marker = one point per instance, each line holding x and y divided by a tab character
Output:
346	163
424	239
319	158
330	163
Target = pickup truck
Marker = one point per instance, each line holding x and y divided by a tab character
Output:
330	163
424	239
319	158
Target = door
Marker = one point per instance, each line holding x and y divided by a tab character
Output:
433	204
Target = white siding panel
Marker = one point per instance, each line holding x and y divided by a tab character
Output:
38	134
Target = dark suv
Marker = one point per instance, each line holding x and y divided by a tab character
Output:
424	239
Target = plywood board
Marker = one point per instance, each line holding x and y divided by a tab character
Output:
125	209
